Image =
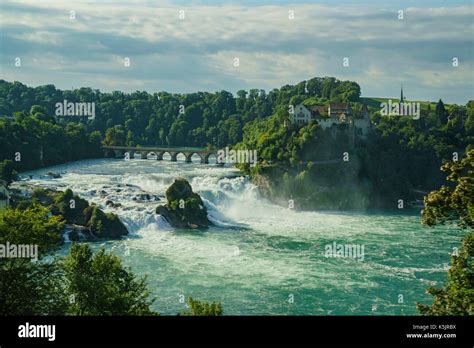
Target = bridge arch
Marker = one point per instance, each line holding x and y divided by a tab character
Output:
206	156
151	154
143	154
132	154
109	153
166	154
158	153
121	154
189	156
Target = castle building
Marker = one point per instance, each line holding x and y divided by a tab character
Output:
332	115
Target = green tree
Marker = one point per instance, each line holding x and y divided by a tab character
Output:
70	206
314	86
98	284
441	112
33	225
31	288
41	113
26	287
457	297
130	139
201	308
454	205
114	136
7	171
95	142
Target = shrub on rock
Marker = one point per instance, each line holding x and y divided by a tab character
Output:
185	208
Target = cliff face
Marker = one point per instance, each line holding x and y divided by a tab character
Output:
322	187
185	208
264	185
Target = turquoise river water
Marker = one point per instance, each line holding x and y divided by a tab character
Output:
259	258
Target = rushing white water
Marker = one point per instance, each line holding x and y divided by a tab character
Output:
258	258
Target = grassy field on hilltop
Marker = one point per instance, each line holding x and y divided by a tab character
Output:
372	103
375	102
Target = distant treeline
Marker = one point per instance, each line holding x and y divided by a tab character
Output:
196	119
399	156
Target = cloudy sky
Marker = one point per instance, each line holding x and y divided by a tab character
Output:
198	52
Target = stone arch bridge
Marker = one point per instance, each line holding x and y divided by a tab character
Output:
119	152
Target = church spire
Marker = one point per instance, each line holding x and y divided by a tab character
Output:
401	95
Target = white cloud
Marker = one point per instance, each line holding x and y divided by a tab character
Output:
172	54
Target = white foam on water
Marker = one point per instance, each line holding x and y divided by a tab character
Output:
254	246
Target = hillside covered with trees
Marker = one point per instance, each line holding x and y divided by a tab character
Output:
196	119
399	156
398	160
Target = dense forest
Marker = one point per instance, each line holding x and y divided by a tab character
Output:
197	119
399	157
398	160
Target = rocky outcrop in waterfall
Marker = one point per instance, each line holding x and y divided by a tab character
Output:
82	219
185	208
